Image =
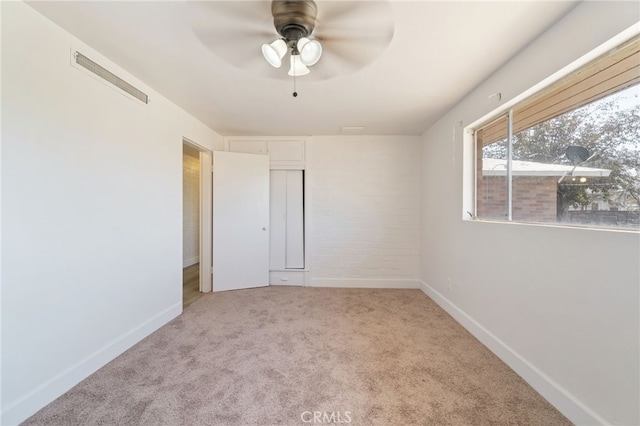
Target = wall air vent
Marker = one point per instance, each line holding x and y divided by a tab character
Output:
107	75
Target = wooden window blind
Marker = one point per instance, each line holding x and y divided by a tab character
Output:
610	73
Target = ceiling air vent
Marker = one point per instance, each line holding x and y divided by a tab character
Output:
107	75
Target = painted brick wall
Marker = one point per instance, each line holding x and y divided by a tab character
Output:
365	208
534	198
190	206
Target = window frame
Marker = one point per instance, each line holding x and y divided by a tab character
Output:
527	98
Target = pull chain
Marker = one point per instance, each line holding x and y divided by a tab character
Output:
295	93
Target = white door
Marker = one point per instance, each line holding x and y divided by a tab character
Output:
205	221
240	221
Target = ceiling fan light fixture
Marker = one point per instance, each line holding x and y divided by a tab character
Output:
310	51
297	67
274	52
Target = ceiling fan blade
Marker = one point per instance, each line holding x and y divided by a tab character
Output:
353	34
328	10
379	36
233	15
356	38
233	31
354	16
332	65
239	53
337	62
358	53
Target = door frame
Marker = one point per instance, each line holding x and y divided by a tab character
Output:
205	213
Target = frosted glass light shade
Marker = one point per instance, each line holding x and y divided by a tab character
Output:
274	52
297	67
310	51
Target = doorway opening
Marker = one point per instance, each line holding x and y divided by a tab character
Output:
196	222
190	284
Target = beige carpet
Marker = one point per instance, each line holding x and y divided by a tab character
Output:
293	356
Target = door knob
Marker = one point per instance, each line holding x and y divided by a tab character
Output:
264	228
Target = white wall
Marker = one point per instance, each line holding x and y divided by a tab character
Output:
364	207
190	206
92	213
560	305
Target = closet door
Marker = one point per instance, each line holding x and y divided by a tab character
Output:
294	253
286	208
277	219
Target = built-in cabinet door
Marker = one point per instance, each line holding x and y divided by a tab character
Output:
286	204
283	153
248	147
289	151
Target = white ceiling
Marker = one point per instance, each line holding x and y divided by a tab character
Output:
440	51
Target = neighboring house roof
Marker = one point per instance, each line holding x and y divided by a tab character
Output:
498	167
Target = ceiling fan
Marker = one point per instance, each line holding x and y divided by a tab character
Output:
335	37
294	21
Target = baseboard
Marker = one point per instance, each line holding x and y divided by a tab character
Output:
559	397
364	283
18	411
189	262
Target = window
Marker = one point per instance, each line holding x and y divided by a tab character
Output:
569	154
